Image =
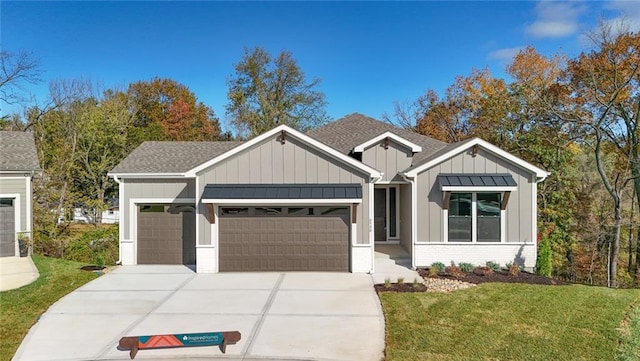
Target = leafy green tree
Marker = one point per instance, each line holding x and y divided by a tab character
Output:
266	92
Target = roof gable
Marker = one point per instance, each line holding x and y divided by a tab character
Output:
286	131
356	129
18	152
457	148
388	135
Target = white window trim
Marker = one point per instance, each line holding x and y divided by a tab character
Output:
474	222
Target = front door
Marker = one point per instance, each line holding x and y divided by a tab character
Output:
385	213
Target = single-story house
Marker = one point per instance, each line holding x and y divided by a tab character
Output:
323	200
18	164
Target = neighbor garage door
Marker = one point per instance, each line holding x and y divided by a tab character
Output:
166	234
284	239
7	227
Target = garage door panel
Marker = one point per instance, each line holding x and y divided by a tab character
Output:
284	244
7	227
165	237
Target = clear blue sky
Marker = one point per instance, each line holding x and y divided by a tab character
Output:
368	54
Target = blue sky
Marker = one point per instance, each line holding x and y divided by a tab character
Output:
368	54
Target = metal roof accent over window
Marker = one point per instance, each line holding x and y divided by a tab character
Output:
282	191
477	182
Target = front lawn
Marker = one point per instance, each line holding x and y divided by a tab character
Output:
21	307
497	321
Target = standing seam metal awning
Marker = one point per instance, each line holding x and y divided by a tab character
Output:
282	191
454	182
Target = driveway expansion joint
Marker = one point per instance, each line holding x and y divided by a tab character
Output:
111	345
256	329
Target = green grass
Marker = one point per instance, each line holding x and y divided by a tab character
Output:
21	307
499	321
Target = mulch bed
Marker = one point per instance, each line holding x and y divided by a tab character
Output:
500	276
400	287
92	268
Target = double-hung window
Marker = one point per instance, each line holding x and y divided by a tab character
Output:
474	206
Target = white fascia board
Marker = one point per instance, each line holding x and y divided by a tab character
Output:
295	134
147	175
398	139
479	189
283	201
540	173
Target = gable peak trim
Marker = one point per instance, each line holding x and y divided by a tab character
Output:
388	135
477	142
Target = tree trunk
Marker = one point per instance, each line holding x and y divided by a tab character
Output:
614	250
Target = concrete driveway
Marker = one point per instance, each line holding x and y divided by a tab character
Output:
282	316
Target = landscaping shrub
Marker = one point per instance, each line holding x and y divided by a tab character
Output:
495	267
466	267
513	268
543	262
455	270
98	246
439	266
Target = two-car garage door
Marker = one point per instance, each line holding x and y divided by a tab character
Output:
284	239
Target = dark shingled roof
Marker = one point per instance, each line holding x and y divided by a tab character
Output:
18	152
171	157
346	133
476	180
282	191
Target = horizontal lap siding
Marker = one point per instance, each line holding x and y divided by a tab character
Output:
519	226
271	162
153	188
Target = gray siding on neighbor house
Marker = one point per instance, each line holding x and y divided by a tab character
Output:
390	161
519	226
17	186
271	162
405	217
153	189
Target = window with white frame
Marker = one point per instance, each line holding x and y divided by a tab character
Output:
474	217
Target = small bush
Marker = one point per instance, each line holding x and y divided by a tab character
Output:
439	266
400	280
466	267
543	262
513	268
387	282
455	270
98	246
416	283
433	271
495	267
483	271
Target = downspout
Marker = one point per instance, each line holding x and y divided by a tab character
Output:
414	208
120	223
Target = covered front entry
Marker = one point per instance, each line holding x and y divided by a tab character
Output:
386	213
7	227
276	238
166	234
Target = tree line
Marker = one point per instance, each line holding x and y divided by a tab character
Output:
576	117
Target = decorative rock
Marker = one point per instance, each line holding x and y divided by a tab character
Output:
445	285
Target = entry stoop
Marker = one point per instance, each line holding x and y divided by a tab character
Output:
393	262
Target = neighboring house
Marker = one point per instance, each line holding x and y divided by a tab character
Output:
18	164
323	200
111	215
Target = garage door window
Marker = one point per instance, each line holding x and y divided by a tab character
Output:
284	211
152	208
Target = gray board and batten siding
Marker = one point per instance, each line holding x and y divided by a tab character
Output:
17	186
153	189
271	162
395	158
519	209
